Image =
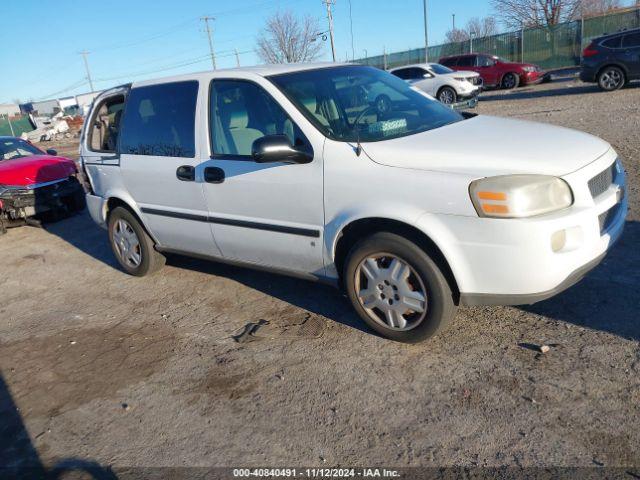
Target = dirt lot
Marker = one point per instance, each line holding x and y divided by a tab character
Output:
122	371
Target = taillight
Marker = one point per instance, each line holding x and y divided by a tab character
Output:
590	51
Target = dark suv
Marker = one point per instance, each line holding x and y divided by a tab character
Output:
612	60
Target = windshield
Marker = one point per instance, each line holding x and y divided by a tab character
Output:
16	148
440	69
358	103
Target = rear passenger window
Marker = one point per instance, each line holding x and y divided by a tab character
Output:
449	62
159	120
631	40
466	61
612	42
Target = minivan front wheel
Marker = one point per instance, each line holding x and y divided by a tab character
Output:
132	246
611	78
397	289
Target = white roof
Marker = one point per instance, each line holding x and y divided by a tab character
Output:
243	72
414	65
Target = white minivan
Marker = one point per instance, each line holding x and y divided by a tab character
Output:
413	209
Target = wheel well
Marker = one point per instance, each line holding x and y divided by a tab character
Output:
508	73
624	71
356	231
114	202
446	86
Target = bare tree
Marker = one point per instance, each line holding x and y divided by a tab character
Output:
457	35
535	13
595	7
478	27
482	27
288	39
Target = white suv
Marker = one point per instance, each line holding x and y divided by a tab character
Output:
413	210
448	86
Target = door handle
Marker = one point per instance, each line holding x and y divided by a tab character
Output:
186	173
213	175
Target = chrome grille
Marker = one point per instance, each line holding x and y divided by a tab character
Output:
601	182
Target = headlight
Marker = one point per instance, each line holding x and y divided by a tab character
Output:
519	196
460	79
529	69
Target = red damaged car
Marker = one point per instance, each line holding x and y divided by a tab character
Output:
35	184
495	71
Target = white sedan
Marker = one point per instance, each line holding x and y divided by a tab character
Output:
448	86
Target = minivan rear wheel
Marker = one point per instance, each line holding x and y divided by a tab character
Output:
131	244
611	78
397	289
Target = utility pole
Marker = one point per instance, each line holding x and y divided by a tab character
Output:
426	35
210	35
84	54
384	56
237	57
329	3
453	16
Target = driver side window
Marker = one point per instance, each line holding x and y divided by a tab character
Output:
482	61
240	112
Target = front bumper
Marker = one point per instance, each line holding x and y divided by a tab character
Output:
47	201
532	78
512	261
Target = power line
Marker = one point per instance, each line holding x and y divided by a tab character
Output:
210	34
64	90
186	63
154	36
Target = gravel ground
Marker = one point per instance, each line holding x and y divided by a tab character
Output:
97	366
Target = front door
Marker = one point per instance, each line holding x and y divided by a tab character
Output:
631	53
158	160
266	214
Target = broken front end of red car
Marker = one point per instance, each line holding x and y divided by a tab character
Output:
46	202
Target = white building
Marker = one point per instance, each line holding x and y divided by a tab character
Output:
10	109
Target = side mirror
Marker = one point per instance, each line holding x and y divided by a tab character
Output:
52	152
427	75
277	148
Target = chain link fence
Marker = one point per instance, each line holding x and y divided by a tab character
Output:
16	125
553	47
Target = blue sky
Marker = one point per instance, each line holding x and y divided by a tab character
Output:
137	39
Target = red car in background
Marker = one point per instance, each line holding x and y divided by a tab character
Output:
495	71
36	184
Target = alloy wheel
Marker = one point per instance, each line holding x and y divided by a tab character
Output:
509	81
391	292
127	244
611	79
446	96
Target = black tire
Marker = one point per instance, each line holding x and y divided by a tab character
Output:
440	305
611	78
509	81
150	259
383	104
447	95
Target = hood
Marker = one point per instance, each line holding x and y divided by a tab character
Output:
485	146
461	73
28	171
